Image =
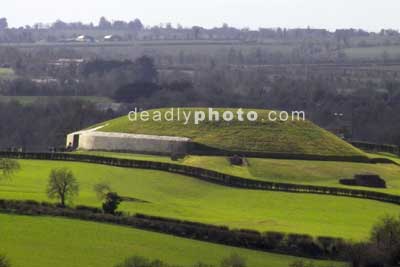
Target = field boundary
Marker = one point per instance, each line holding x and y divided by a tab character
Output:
394	149
208	175
204	150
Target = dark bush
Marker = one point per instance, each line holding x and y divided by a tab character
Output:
89	209
236	160
111	203
370	180
4	262
367	180
273	239
137	261
131	92
347	182
234	260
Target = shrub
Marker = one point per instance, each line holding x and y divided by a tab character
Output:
4	262
111	203
201	264
234	260
236	160
367	180
88	209
137	261
385	237
273	239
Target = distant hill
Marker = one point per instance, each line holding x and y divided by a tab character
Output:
293	137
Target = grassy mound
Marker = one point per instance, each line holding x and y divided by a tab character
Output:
48	242
181	197
265	136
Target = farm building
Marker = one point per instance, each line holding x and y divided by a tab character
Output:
85	39
113	38
138	143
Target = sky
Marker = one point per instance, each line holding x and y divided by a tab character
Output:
370	15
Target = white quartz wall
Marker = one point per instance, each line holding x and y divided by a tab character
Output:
130	142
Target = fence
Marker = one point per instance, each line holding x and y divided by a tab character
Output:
377	147
200	149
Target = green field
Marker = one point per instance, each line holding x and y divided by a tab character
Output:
32	99
181	197
49	242
395	158
294	137
373	53
325	173
7	73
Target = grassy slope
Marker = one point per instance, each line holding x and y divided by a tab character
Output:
326	173
390	156
371	53
187	198
261	136
48	242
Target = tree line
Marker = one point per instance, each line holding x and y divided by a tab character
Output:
167	31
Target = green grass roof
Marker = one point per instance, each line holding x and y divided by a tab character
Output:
294	137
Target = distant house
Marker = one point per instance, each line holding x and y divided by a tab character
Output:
67	61
112	38
45	81
85	39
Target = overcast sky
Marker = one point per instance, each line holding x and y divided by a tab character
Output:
367	14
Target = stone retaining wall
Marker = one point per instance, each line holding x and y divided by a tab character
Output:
97	140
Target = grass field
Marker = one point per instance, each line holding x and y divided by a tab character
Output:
395	158
49	242
181	197
302	137
6	73
32	99
373	53
325	173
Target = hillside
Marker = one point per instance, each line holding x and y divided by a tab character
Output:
310	172
177	196
49	242
293	137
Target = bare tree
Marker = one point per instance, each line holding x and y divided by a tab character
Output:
111	199
62	185
9	167
101	190
3	23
